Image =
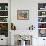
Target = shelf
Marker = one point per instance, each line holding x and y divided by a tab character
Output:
3	13
3	22
3	16
41	28
3	10
41	22
42	37
42	16
41	10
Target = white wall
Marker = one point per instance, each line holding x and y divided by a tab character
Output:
21	5
32	6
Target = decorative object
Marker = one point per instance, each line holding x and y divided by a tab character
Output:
42	32
41	25
13	27
41	13
41	19
4	26
22	14
4	29
31	27
3	19
6	7
3	6
41	6
3	13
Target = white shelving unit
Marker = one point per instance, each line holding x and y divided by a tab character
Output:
42	18
4	23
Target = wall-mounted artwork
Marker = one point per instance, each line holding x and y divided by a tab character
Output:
22	14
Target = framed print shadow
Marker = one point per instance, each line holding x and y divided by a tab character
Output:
22	14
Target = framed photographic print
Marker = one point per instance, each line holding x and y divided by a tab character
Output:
22	14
